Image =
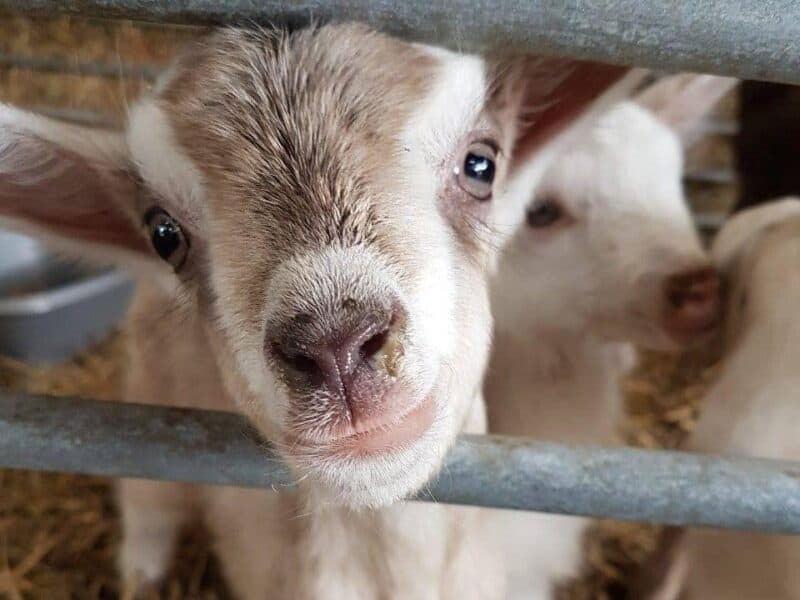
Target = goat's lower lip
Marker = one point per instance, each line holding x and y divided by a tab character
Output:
403	430
406	429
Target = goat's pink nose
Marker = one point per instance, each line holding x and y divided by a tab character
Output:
338	354
692	303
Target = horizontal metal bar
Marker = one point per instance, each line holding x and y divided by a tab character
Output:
752	39
127	440
92	69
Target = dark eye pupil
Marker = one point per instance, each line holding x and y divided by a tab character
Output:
166	237
479	167
543	214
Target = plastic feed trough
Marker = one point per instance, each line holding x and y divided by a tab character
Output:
50	307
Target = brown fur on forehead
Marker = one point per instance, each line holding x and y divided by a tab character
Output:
297	132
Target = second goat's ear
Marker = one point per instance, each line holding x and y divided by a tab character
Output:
70	185
681	101
541	97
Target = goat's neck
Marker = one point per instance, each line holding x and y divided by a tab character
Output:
360	554
555	383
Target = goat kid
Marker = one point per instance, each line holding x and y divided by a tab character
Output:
313	217
751	408
608	258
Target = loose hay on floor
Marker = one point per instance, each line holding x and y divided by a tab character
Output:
59	534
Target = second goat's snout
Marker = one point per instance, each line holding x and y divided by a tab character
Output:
693	302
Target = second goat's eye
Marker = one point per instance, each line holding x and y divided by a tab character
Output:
544	213
476	172
167	237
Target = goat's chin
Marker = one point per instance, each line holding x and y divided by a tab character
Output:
372	480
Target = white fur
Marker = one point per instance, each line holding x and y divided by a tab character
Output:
568	302
430	138
752	408
740	229
161	162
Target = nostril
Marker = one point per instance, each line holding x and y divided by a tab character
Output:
374	344
304	364
692	303
675	297
695	287
299	362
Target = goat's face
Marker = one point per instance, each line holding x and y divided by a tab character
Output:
609	246
341	251
325	201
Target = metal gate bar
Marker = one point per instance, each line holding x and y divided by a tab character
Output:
751	39
128	440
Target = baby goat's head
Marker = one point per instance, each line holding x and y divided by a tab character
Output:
326	202
609	245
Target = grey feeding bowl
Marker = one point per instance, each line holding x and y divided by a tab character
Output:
51	308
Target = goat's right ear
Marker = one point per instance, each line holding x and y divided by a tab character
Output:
541	97
681	101
70	185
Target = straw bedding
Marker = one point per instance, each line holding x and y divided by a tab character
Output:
59	533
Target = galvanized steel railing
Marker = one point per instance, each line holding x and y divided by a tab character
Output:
130	440
752	39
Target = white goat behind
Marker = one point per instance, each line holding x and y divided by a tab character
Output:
609	257
313	215
753	408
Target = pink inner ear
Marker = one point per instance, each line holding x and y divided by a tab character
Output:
561	104
62	194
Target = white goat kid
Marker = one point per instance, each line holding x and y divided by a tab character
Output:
312	215
752	408
608	258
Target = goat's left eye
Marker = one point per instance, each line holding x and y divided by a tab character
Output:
166	236
476	173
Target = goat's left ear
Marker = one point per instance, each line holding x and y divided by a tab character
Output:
541	98
70	185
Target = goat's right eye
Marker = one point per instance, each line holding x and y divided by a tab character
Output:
544	213
167	238
476	173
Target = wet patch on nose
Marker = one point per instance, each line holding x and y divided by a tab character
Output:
389	357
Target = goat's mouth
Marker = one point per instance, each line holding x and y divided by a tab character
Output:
373	438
